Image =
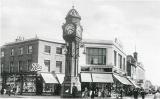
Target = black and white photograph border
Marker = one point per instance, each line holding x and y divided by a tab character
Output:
85	49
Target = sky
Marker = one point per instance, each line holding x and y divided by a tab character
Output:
136	23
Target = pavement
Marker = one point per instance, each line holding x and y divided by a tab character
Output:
58	97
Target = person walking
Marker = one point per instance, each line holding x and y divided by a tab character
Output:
135	93
157	94
74	91
92	94
143	93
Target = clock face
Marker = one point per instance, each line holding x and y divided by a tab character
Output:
79	31
70	28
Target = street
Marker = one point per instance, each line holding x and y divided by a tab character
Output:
58	97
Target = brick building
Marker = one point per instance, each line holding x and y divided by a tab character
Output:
18	57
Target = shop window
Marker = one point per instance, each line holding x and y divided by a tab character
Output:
59	66
29	49
29	84
58	50
47	49
47	64
96	56
108	69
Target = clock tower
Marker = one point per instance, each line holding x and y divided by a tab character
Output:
72	34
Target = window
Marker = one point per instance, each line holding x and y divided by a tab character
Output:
29	65
20	64
96	56
58	50
115	58
47	49
47	64
59	66
12	52
11	67
124	63
20	50
120	61
29	49
2	53
2	65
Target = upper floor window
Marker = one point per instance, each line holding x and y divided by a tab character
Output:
2	53
20	66
58	50
29	65
2	65
124	62
29	49
12	52
47	64
47	49
120	61
115	58
11	67
59	66
20	50
96	56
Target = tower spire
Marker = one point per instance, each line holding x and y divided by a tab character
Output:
72	4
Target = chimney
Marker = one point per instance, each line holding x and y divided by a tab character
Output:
135	55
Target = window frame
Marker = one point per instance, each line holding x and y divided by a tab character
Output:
96	56
47	49
58	50
47	65
59	66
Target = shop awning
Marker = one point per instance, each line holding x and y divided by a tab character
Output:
86	77
123	80
60	78
104	78
49	78
134	83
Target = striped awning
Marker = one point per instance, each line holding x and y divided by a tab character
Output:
102	78
49	78
123	80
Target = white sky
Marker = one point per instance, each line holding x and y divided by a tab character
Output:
134	22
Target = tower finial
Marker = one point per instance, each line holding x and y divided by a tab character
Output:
72	4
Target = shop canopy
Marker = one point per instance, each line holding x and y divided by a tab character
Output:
134	83
60	78
86	77
123	80
49	78
102	78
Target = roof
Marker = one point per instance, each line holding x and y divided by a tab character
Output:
73	13
35	39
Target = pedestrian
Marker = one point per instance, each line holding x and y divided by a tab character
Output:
92	94
9	90
74	91
99	93
2	91
143	93
135	93
157	94
121	93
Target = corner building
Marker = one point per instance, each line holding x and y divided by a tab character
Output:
103	66
17	61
